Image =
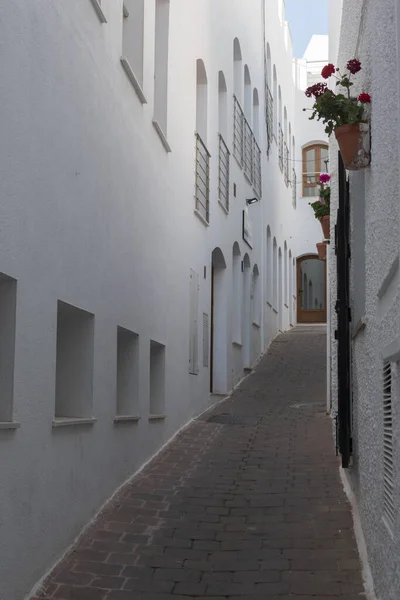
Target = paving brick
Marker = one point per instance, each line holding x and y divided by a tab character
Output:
229	512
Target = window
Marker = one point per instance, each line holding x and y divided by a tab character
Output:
245	148
275	103
127	372
99	11
8	301
269	103
223	152
132	44
202	192
161	70
157	379
315	162
237	70
74	363
247	93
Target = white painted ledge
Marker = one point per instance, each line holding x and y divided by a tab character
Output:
99	11
200	216
237	344
132	78
226	211
9	425
162	135
73	421
157	417
126	419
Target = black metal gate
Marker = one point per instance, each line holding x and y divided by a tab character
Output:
342	333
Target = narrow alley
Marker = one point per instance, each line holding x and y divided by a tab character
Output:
246	501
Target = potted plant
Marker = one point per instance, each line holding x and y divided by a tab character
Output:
344	114
321	248
321	206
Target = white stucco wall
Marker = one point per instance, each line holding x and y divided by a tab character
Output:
97	214
368	32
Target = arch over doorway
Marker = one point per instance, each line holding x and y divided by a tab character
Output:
311	289
218	342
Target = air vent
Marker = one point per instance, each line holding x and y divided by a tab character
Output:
388	474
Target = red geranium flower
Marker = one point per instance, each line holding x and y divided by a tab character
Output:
365	98
354	66
316	90
328	70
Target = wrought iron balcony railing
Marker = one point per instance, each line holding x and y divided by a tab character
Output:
294	188
246	149
202	194
286	163
223	173
280	146
269	116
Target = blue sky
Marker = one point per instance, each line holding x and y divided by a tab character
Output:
305	18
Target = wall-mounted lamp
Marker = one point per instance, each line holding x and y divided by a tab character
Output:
251	200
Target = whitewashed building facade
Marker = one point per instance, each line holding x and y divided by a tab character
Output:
138	285
369	31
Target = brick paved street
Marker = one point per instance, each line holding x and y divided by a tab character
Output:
247	505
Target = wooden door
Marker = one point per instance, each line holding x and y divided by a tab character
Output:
311	289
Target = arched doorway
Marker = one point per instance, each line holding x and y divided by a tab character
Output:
218	344
246	311
311	289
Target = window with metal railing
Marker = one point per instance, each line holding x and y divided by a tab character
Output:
280	146
202	193
246	149
294	188
238	118
269	115
223	173
256	168
286	163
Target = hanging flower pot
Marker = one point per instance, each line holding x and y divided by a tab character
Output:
326	226
321	248
344	114
354	145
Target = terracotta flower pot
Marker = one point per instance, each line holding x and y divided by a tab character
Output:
354	145
326	226
321	247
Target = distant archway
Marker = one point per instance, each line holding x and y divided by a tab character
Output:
311	286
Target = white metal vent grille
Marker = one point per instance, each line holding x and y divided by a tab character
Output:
205	340
388	474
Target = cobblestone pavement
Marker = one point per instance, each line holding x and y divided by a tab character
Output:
245	503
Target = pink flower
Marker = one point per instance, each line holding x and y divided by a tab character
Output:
365	98
324	178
